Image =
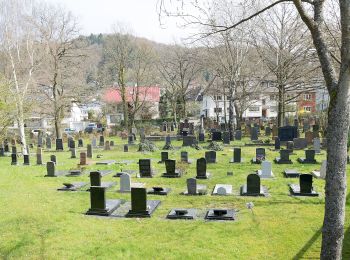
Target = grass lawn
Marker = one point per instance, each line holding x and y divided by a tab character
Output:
38	222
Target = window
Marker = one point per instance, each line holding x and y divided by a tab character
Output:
263	102
307	96
218	98
217	110
307	109
254	109
273	108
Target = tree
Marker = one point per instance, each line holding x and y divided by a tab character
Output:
312	13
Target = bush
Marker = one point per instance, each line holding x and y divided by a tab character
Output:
147	146
214	146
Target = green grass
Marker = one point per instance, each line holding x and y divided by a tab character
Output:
38	222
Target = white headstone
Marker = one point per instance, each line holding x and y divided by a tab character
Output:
266	170
323	169
93	142
125	182
317	145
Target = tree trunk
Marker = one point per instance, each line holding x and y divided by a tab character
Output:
238	114
280	114
335	188
22	135
58	126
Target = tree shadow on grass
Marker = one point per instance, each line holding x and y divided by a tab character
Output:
308	245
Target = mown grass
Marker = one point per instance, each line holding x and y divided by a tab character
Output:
38	222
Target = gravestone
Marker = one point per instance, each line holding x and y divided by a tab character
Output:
2	151
102	141
51	169
184	157
131	139
317	145
259	155
210	156
277	143
236	155
111	143
305	187
14	159
83	157
191	186
71	142
290	146
222	189
284	157
300	143
125	183
107	146
266	170
309	137
171	172
201	137
140	207
287	133
267	131
253	184
164	156
80	143
126	148
274	131
99	205
309	157
322	173
145	168
202	169
39	156
226	137
53	158
238	135
167	140
188	140
73	153
59	144
216	136
93	142
48	143
26	159
40	140
14	149
89	152
254	134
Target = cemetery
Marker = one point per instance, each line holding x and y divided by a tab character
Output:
108	193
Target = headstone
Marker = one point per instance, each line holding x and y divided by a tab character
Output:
89	152
287	133
201	137
300	143
131	139
2	151
107	147
259	155
102	141
171	172
99	205
253	184
93	142
226	137
126	148
95	178
192	186
267	131
14	149
48	143
71	143
309	157
202	169
309	137
184	157
237	155
290	145
305	182
216	136
80	143
50	169
111	143
145	168
274	131
40	140
277	143
317	145
125	183
53	158
266	170
210	156
284	157
83	156
188	140
254	134
14	159
167	140
26	159
59	144
238	135
39	156
138	200
73	153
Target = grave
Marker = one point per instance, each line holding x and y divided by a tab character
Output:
171	171
202	169
304	188
126	148
164	156
290	146
101	141
96	179
321	174
195	189
210	156
287	133
125	183
220	214
53	158
48	143
89	151
83	160
259	155
309	157
107	146
253	187
266	170
80	143
59	144
309	137
291	173
14	159
39	156
106	162
73	153
159	191
222	189
51	170
226	138
267	131
277	143
317	145
99	205
284	157
131	139
182	214
216	136
140	206
236	156
238	135
145	170
75	173
75	186
189	140
201	137
300	143
26	159
94	142
184	157
254	133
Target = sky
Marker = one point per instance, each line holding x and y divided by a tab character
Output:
141	16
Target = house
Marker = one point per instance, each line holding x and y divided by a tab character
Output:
144	98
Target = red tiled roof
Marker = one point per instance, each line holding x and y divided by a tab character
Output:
150	94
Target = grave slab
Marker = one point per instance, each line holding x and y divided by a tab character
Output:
220	214
182	214
291	173
158	191
75	186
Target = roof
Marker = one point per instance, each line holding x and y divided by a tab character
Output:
150	94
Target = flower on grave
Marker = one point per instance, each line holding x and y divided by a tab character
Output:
250	205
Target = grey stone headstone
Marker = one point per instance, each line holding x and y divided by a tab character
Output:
50	168
189	140
93	142
125	182
266	169
221	191
89	152
138	200
107	146
53	158
48	143
39	156
201	167
184	156
317	145
300	143
131	139
102	141
284	154
192	186
40	140
167	139
73	153
253	184
210	156
305	181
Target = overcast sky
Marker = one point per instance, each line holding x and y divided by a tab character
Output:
98	16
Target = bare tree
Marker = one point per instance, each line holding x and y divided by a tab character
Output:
312	13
